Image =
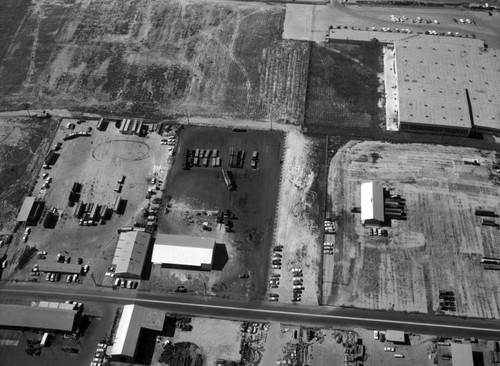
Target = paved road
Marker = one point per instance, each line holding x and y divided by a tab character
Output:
284	313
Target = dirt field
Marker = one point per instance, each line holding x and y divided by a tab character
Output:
439	246
195	195
300	216
24	143
343	85
152	57
212	348
97	162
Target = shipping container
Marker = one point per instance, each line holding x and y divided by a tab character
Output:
118	201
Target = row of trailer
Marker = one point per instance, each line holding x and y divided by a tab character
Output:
203	157
131	127
91	213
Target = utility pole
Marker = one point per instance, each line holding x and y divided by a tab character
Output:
26	106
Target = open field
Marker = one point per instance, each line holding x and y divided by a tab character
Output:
97	162
151	57
439	246
300	215
24	143
195	195
343	85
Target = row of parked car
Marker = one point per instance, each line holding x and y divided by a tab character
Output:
125	283
99	355
56	277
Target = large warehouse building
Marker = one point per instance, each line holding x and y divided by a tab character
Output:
55	317
372	203
130	253
133	319
447	85
181	251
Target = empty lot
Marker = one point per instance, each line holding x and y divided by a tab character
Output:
437	248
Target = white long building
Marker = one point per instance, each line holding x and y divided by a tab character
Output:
372	203
183	251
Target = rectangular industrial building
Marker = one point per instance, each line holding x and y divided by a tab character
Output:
127	334
40	317
461	354
397	336
130	253
133	320
372	203
26	209
447	85
183	251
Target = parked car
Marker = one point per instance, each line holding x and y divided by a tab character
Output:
25	238
86	268
389	349
27	231
376	334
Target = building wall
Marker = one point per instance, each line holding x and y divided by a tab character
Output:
424	128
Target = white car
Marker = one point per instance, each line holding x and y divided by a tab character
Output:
109	274
86	268
25	238
27	231
45	175
4	263
296	270
375	334
389	349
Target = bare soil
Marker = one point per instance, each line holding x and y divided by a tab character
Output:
152	58
343	85
439	246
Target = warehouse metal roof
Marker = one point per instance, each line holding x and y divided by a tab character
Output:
24	213
372	202
131	252
61	319
128	331
436	73
183	250
461	354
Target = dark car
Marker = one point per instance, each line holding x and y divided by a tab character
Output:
181	289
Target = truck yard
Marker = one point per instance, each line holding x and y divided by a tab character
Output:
89	167
432	256
195	193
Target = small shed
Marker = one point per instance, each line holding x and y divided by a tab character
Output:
397	336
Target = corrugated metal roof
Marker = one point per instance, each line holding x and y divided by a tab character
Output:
39	317
131	252
372	202
461	354
24	213
183	250
433	77
128	331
